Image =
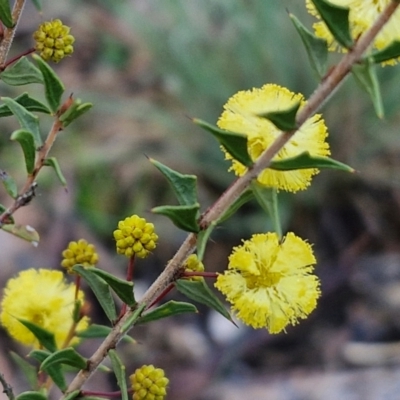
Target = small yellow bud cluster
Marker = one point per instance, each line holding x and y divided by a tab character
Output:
53	41
149	383
80	252
135	236
193	264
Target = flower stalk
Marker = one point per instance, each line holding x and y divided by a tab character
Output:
16	58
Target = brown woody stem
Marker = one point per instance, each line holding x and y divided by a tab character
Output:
172	270
10	32
30	183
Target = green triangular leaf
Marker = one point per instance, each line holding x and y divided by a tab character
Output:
317	48
39	355
27	102
57	376
123	289
5	14
234	143
244	198
9	184
27	142
25	232
285	120
336	19
26	119
167	310
45	338
305	160
202	239
54	88
52	162
200	292
184	186
100	289
55	373
184	217
365	75
31	396
119	371
133	318
68	356
9	220
38	6
31	104
73	395
388	53
267	199
22	72
74	111
30	372
100	331
76	313
94	331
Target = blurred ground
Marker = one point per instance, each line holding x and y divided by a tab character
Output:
147	66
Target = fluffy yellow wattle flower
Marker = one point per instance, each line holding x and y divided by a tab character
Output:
44	298
241	115
362	15
270	283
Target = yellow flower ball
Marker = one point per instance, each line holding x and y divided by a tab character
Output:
149	383
135	236
44	298
241	115
80	252
362	14
53	41
193	264
270	282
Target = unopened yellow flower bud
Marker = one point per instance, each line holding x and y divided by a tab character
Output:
46	53
58	55
48	42
135	236
193	264
80	252
58	44
53	41
68	50
39	36
149	383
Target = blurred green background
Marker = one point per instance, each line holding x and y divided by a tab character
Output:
148	67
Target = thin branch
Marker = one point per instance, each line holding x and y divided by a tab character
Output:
8	390
28	190
10	32
16	58
322	93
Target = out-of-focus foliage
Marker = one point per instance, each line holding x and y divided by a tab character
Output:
185	58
